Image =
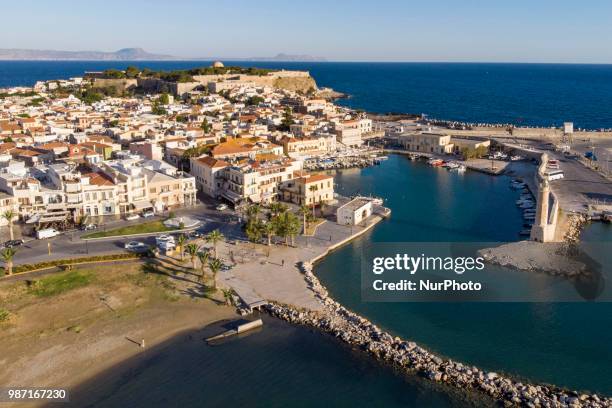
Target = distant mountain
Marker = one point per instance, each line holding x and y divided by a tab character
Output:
125	54
287	58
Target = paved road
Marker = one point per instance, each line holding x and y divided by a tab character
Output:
70	244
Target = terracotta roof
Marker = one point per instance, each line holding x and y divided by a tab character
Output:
99	179
212	162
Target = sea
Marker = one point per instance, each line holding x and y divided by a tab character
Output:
567	344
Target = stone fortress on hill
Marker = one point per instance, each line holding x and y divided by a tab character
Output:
222	78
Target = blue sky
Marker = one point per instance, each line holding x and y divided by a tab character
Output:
427	30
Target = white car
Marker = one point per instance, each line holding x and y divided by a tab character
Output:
221	207
162	239
136	246
132	217
147	214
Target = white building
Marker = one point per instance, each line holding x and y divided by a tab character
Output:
354	212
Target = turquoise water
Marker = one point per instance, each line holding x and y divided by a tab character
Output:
561	343
280	366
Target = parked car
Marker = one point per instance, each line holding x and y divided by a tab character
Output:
47	233
222	207
132	217
88	227
136	246
147	214
12	243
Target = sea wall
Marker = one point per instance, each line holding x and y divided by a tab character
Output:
357	331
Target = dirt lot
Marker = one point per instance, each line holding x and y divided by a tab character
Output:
72	325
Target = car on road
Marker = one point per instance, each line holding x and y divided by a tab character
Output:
148	214
132	217
136	246
12	243
88	227
221	207
47	233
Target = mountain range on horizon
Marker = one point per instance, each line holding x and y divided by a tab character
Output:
128	54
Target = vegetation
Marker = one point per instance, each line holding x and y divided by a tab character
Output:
205	126
214	237
7	255
287	119
142	228
203	257
254	100
192	250
56	284
215	266
477	153
4	315
158	109
164	99
62	262
9	216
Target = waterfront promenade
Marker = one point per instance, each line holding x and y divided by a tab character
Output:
275	276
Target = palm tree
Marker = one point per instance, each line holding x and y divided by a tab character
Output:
227	295
253	211
277	208
268	229
9	215
214	237
7	257
304	210
192	250
181	243
215	266
293	226
313	189
203	257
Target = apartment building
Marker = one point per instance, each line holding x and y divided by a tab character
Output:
309	189
349	132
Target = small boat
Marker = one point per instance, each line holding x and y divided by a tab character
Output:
461	168
525	232
435	162
374	200
529	217
452	165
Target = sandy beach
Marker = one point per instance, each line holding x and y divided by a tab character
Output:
66	339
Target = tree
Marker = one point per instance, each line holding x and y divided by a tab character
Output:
312	189
287	120
181	243
132	71
192	250
304	211
252	211
253	230
277	208
267	228
293	226
7	258
205	126
214	237
215	266
227	295
9	216
203	257
164	99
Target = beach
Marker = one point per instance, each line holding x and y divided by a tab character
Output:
104	321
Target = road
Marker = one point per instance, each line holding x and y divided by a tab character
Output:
70	244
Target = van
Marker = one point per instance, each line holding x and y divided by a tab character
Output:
47	233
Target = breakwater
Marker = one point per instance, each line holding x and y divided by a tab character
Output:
357	331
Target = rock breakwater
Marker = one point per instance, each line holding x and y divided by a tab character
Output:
359	332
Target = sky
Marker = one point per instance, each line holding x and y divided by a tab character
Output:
338	30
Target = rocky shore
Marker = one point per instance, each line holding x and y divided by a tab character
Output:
357	331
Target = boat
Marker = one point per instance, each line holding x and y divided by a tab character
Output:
461	168
525	232
374	200
452	165
435	162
